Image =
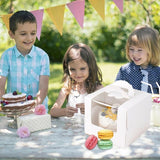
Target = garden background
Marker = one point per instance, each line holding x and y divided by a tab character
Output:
106	37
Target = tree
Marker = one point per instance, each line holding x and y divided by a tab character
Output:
7	6
106	38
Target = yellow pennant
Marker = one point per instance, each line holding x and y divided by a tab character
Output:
140	1
5	19
99	6
57	15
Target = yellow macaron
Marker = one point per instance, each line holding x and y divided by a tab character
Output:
105	134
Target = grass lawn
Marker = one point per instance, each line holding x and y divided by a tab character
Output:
109	72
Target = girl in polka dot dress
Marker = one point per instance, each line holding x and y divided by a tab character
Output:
143	53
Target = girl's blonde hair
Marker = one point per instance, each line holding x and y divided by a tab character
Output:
84	51
148	39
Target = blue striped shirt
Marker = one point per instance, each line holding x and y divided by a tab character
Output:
133	74
23	72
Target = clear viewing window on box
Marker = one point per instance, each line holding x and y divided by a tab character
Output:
104	110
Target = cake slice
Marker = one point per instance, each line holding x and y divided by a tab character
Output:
11	98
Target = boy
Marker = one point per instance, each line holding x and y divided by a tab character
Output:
25	66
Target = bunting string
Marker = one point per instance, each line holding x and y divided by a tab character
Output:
56	13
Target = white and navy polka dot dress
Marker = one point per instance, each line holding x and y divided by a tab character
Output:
134	74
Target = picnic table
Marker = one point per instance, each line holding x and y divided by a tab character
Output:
65	140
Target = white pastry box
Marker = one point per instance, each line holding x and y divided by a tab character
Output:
34	122
133	112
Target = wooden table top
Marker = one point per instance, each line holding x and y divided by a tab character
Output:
66	140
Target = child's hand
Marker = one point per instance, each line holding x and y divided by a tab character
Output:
81	106
70	111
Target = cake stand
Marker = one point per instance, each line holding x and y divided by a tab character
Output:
14	112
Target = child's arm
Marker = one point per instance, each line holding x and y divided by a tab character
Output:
57	111
43	89
2	85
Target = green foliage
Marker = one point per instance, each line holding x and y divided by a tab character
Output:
107	39
112	45
109	42
5	6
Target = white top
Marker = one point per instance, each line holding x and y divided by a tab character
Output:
75	97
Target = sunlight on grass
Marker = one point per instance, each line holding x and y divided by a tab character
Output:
109	72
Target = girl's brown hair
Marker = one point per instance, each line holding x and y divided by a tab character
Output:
95	76
147	38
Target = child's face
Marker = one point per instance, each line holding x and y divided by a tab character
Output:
24	36
138	55
78	70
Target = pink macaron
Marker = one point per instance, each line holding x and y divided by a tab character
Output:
91	142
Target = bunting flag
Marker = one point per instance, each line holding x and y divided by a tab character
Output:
39	17
140	1
77	9
119	4
99	6
5	19
57	15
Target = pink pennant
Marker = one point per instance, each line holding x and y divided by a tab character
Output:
119	4
39	17
77	9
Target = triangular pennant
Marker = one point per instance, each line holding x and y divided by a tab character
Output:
77	9
140	1
5	19
39	17
99	6
119	4
57	15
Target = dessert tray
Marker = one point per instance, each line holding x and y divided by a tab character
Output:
14	110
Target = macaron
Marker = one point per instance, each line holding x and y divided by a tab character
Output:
105	134
91	142
105	144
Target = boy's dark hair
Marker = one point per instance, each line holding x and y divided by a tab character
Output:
20	17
